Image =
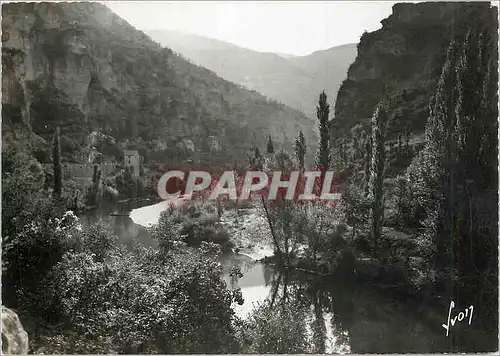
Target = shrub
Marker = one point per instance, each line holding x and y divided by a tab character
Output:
191	224
276	329
146	301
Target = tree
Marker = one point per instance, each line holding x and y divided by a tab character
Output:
56	158
255	159
341	148
281	161
407	137
93	192
355	208
376	186
270	146
300	149
367	162
322	112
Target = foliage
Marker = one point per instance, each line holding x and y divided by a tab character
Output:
308	234
29	226
128	185
300	149
455	167
255	159
355	208
95	191
145	301
281	161
322	112
277	329
192	225
404	201
270	145
377	171
95	296
56	159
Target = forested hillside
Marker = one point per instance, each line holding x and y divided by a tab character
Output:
295	81
81	67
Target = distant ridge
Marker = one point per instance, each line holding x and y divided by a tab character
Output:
293	80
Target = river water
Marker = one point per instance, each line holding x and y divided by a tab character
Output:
343	317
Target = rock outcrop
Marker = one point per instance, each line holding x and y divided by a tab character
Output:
14	337
403	60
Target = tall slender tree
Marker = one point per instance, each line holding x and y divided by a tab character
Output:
367	162
407	137
270	145
256	160
376	192
56	159
322	113
300	149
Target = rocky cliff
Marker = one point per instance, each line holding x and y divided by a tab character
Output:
403	61
81	67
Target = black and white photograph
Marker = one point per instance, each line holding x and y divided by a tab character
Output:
249	177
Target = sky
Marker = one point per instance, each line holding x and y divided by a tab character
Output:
293	27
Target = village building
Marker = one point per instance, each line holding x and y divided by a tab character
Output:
213	143
82	173
187	144
133	161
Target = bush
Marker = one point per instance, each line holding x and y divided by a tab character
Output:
276	329
146	301
191	224
35	233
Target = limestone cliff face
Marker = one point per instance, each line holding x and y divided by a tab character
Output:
403	59
81	67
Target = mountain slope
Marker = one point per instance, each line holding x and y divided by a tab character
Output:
81	67
295	80
403	61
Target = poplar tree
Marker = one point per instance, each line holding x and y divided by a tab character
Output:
300	149
56	159
255	159
322	113
270	146
367	162
376	186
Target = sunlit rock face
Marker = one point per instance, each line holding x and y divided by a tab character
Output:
14	337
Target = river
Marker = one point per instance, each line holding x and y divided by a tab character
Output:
343	317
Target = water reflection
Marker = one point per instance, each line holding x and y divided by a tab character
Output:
255	284
348	317
117	220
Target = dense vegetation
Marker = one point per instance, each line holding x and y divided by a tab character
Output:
428	235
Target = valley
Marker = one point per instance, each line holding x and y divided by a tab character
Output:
96	110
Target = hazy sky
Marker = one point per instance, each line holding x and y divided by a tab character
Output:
268	26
